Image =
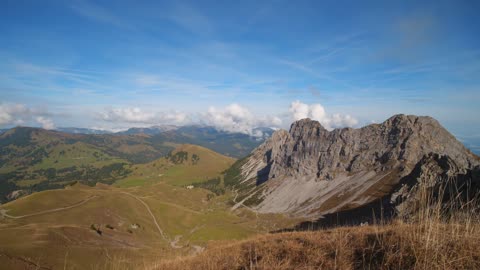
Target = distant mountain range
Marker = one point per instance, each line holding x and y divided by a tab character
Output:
232	144
154	130
259	132
38	159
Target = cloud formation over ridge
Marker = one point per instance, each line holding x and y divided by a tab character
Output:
235	118
20	114
46	123
136	115
13	114
299	110
232	118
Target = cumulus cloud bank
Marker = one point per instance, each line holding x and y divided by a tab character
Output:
13	114
19	114
299	110
235	118
137	115
232	118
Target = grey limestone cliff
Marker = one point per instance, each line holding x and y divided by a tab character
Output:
310	171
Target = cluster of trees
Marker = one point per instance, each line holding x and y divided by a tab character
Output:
58	178
195	159
214	185
108	173
178	158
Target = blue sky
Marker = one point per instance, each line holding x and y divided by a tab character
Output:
237	64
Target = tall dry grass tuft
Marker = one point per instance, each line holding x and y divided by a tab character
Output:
445	228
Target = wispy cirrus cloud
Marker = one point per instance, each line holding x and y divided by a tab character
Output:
97	13
317	74
190	18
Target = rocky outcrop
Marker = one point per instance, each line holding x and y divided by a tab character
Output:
310	171
16	194
435	179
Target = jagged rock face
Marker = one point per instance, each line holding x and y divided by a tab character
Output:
312	150
435	178
310	171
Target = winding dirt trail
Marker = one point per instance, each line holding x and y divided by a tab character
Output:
150	212
3	212
173	243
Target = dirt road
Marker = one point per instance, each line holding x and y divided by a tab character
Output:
150	212
3	212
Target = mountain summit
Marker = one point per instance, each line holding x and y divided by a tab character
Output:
310	171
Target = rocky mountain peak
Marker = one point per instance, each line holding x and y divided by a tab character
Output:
306	127
312	166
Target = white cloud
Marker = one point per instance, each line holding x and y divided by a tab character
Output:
139	116
46	123
276	121
19	114
174	117
235	118
299	110
110	129
131	115
13	114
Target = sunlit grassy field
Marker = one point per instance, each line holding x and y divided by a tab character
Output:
95	224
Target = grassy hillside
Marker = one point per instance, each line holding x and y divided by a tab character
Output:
235	145
163	226
35	159
147	215
150	219
187	164
86	227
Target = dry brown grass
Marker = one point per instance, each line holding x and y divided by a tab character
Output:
439	236
394	246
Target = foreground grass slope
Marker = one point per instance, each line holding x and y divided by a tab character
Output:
441	234
115	228
91	227
395	246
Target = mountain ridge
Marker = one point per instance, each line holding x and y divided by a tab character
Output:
35	159
310	171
